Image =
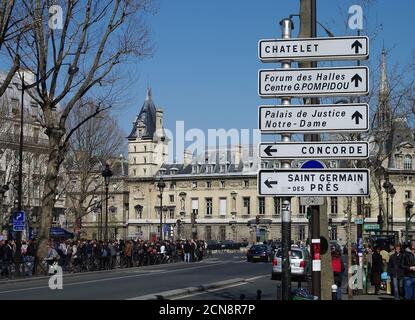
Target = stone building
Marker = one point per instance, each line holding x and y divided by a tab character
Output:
35	153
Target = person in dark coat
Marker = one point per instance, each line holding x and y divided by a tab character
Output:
377	269
395	271
408	265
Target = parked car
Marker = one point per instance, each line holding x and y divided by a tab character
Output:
300	264
259	252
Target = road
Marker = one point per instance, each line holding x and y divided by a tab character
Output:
222	276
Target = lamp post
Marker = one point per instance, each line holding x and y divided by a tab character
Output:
387	185
161	185
392	193
98	208
408	206
107	174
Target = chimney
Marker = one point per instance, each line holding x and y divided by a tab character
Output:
159	118
187	158
238	155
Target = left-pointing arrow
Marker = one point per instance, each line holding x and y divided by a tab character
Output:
269	183
269	151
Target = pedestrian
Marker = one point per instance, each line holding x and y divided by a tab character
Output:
338	271
187	251
30	257
129	254
7	258
408	265
377	269
395	271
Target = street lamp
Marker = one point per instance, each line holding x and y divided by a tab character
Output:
107	174
392	193
387	186
408	206
161	185
98	207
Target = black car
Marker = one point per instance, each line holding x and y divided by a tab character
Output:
259	252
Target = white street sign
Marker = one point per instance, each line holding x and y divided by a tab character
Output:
313	182
313	49
315	150
314	118
313	82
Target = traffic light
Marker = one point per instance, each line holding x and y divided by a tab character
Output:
257	219
330	221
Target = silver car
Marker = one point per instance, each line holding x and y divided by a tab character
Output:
300	263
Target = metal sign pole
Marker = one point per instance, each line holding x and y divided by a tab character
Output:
287	26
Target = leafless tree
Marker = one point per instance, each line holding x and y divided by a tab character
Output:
81	59
96	142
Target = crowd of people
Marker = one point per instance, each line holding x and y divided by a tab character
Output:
92	255
379	265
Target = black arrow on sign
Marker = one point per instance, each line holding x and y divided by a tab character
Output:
356	78
269	151
269	183
356	116
356	45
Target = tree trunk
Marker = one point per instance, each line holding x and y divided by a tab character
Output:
48	199
349	247
326	269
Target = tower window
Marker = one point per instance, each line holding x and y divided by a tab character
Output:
145	160
408	162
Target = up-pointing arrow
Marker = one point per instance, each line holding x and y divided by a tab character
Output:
356	45
356	78
269	151
269	183
356	116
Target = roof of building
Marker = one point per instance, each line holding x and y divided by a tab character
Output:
146	119
219	161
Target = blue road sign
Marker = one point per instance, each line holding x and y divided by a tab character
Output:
313	164
166	228
18	221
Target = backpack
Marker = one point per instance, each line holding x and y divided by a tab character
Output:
336	264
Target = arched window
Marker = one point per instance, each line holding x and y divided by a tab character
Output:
407	162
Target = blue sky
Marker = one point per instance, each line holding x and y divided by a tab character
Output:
204	68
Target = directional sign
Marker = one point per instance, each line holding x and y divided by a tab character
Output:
313	182
339	48
358	220
314	150
371	227
313	82
314	118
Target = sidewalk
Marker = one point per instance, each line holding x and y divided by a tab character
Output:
369	297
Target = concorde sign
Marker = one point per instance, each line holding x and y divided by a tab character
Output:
314	182
315	150
314	118
314	49
313	82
